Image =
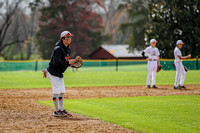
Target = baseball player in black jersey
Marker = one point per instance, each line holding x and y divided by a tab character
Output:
59	62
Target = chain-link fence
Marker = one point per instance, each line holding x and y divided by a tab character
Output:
116	65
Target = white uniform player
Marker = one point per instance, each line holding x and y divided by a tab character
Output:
179	66
153	62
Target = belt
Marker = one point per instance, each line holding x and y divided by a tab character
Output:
154	60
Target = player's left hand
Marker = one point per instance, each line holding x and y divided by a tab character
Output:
78	62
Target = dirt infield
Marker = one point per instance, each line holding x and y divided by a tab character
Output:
21	113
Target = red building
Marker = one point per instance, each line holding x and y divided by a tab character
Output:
115	51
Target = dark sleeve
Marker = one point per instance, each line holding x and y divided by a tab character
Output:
69	51
143	54
57	58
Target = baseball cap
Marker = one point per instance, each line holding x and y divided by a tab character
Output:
179	42
65	33
152	41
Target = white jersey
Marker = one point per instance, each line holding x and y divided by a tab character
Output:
177	52
152	53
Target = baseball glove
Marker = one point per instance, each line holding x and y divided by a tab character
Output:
186	69
44	73
78	63
159	68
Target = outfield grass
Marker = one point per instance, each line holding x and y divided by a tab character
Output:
143	114
160	114
94	76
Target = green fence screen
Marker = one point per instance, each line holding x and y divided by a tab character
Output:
36	65
32	65
191	64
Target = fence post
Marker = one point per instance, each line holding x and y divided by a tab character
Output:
197	63
36	64
117	64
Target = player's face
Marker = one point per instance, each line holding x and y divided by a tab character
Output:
67	40
180	46
153	44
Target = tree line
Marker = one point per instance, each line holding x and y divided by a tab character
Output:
29	30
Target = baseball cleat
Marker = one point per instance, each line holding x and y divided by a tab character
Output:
148	86
154	86
66	113
178	87
57	114
182	87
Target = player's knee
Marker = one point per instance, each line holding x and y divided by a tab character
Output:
60	98
178	71
54	98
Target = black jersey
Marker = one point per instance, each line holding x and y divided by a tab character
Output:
59	59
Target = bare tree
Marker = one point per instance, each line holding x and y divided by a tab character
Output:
108	7
8	9
18	29
112	18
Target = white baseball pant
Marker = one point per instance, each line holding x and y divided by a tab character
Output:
152	70
179	69
57	84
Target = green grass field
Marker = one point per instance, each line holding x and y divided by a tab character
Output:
143	114
160	114
94	76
